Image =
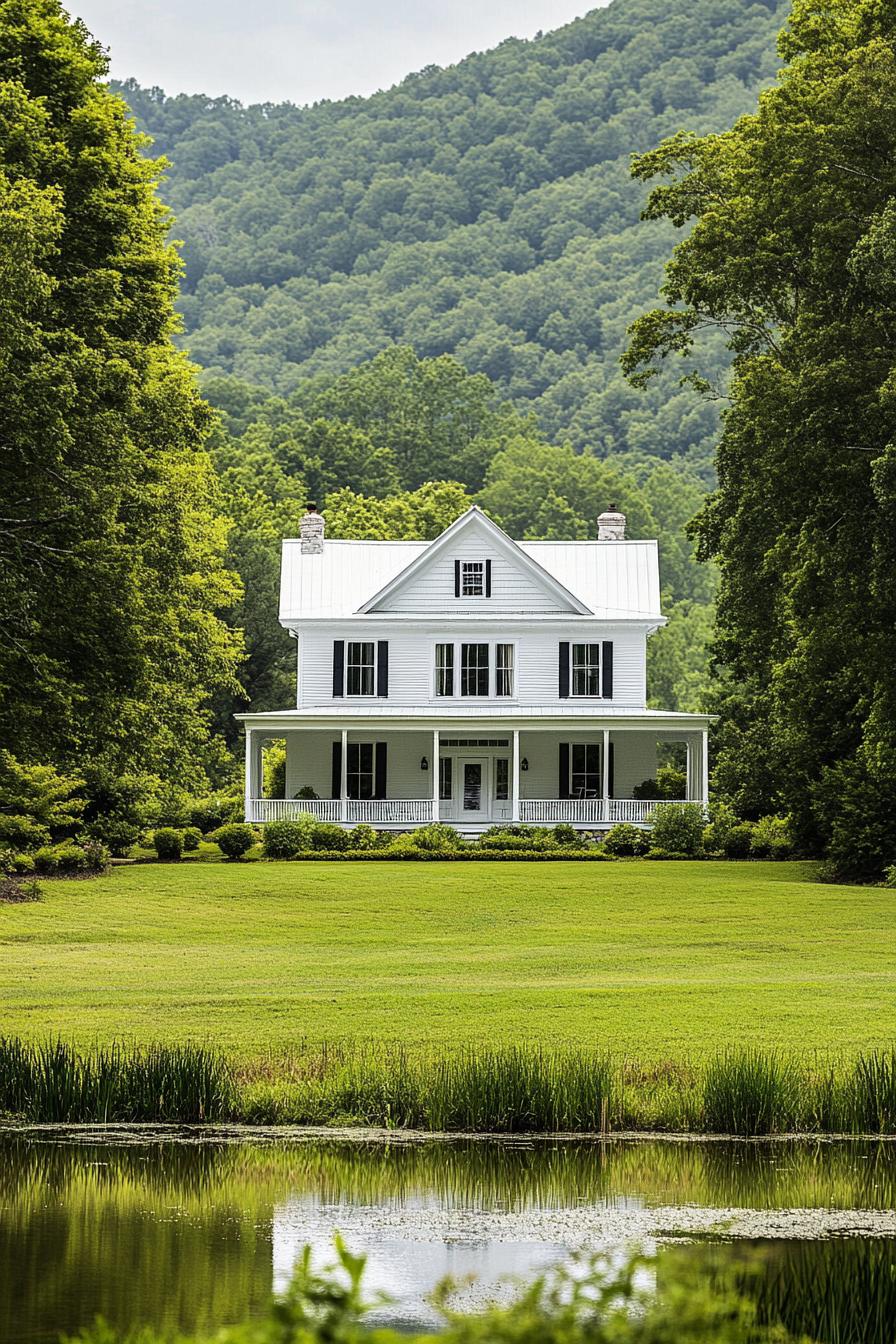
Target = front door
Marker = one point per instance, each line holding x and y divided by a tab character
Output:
473	788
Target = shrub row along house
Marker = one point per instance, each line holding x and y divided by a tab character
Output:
472	679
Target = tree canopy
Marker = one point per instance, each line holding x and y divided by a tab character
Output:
793	255
111	533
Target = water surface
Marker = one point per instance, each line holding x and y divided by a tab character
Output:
188	1231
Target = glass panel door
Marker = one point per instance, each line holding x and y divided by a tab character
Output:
474	789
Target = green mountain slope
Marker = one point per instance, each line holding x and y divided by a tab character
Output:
484	210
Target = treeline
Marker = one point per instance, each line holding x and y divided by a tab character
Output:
484	210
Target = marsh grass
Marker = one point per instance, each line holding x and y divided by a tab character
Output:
506	1089
55	1082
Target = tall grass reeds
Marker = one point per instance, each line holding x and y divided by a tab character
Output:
56	1082
749	1092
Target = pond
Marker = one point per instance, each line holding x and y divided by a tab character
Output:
190	1230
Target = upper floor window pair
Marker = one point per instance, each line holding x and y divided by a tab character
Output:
474	663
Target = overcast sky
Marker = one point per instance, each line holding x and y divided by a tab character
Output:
302	50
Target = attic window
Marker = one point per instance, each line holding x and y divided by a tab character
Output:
472	578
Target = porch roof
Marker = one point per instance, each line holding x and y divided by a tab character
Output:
480	717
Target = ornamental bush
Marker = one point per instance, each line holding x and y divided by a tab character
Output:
722	821
625	841
327	835
678	829
736	844
234	840
437	836
168	843
771	838
282	839
192	837
363	837
564	834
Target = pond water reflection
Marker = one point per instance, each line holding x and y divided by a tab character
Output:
188	1231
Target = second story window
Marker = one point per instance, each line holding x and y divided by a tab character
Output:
444	669
586	669
472	578
503	669
474	669
359	668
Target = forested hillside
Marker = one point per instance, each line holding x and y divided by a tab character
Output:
484	210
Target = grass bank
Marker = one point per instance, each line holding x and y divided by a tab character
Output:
656	962
474	1089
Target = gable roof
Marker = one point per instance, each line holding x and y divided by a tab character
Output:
606	579
475	518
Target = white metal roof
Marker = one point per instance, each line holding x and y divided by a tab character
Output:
611	579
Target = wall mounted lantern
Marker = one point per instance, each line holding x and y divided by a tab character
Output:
524	763
424	763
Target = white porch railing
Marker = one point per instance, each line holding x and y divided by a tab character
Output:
281	809
590	811
389	811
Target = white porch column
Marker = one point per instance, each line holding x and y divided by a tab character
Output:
436	774
605	781
343	775
688	767
704	769
515	778
247	799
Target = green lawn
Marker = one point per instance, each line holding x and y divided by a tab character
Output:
657	959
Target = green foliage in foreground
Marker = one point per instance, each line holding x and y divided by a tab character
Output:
592	1302
792	255
654	960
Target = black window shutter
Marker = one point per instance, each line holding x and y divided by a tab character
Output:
338	667
488	578
610	791
563	784
606	669
457	578
382	667
564	671
379	781
337	769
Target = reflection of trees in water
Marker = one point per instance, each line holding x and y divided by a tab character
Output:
841	1291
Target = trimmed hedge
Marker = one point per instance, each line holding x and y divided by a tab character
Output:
470	855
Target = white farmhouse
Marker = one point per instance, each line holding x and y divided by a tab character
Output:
472	679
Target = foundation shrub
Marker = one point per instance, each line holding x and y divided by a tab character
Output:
771	838
437	837
168	842
678	829
363	837
625	841
283	839
327	835
516	843
234	840
564	834
737	843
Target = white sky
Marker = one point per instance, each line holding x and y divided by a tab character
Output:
303	50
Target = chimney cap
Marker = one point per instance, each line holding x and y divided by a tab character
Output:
611	525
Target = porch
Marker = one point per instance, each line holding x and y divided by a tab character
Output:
395	776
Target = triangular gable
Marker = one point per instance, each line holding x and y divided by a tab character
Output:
474	518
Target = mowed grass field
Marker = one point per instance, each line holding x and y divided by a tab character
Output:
657	960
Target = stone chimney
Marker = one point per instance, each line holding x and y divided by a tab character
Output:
611	525
311	530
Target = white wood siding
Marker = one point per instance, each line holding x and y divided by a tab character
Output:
513	590
411	659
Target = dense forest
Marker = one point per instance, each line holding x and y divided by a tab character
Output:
484	210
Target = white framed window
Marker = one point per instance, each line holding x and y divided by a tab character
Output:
444	669
360	667
585	659
503	669
472	578
474	669
482	669
584	770
446	777
359	775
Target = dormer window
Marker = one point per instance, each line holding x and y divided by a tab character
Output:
472	578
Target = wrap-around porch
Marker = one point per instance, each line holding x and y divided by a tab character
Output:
472	775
